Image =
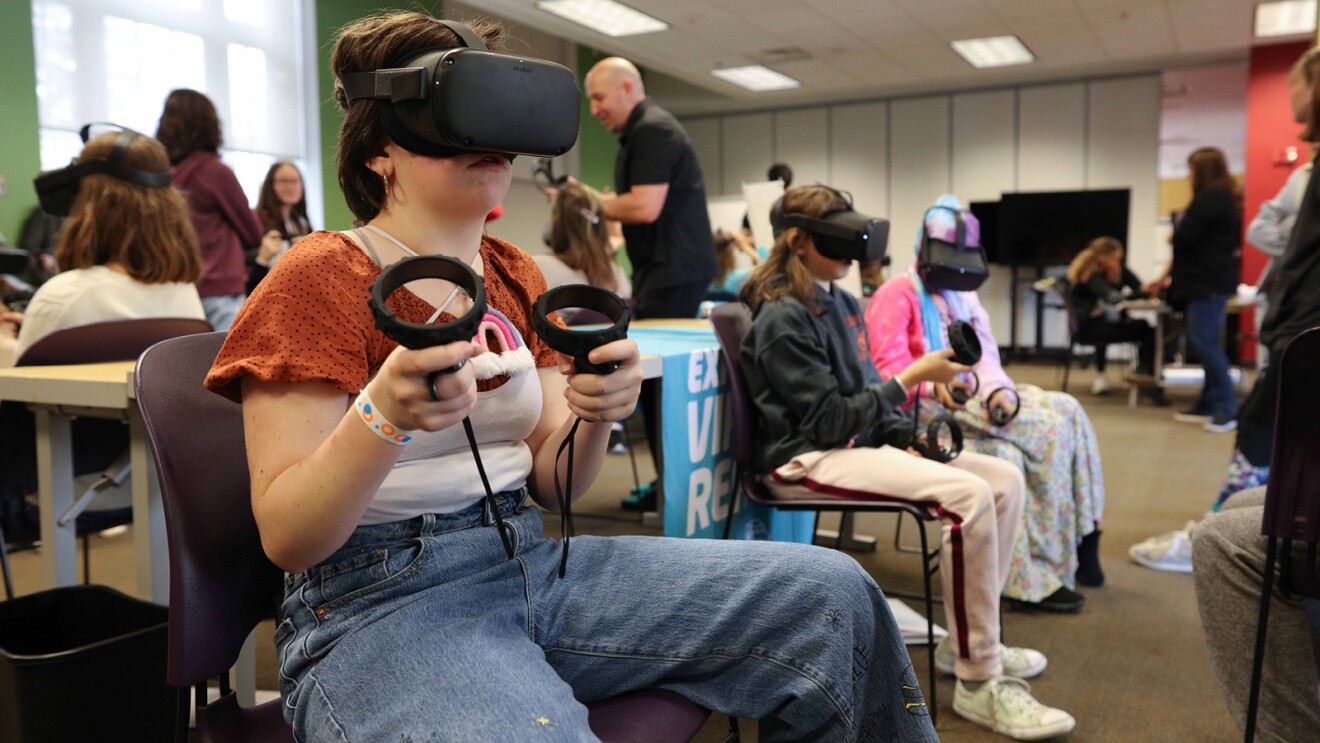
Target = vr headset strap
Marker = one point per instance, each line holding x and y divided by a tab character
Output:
960	233
396	84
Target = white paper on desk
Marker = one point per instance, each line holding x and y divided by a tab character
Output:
760	198
911	625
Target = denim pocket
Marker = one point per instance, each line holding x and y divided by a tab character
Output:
366	573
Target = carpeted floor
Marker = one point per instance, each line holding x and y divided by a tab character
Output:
1131	666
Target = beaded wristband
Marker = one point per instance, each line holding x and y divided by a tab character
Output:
375	421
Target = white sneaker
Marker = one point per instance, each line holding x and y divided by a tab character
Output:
1023	663
1100	386
1005	705
1171	552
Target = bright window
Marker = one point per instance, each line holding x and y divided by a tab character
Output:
116	60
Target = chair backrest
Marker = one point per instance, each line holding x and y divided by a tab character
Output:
1064	288
221	584
731	322
1292	508
114	340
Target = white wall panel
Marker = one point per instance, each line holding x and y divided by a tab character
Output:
748	142
1123	151
705	136
919	172
859	154
802	141
1052	138
984	166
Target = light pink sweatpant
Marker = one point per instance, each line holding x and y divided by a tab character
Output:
979	501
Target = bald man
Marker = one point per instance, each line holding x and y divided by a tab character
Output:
660	197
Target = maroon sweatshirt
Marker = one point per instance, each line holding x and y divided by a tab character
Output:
225	224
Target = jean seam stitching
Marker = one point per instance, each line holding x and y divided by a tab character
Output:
838	705
423	557
330	710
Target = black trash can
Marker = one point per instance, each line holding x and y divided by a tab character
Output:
84	663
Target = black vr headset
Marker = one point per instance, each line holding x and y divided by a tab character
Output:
445	102
57	189
952	265
843	234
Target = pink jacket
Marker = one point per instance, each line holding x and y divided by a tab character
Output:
893	321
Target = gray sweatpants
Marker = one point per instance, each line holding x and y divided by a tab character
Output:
1228	552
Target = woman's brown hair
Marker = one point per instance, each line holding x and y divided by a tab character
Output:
579	235
725	258
145	230
1210	170
374	43
783	274
188	124
1087	262
269	207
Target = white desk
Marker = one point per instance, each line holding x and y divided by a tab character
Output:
1157	310
57	395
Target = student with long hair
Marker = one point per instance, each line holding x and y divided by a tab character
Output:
1203	274
1098	281
127	251
227	230
580	243
831	427
282	211
405	617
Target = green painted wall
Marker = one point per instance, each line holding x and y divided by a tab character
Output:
596	144
20	151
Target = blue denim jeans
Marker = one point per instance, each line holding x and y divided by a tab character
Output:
425	630
222	309
1205	325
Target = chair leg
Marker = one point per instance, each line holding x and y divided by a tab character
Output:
87	559
931	703
1262	623
1067	364
4	566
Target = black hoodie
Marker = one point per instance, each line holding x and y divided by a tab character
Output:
813	382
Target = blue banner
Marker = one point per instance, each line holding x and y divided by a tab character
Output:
697	425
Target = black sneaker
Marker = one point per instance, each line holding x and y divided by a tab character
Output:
1220	424
1063	601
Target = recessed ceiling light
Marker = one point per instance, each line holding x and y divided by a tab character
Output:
1285	18
604	16
756	77
993	51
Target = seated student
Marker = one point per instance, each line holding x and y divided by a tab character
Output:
1050	439
831	427
282	211
127	251
729	278
1099	281
1229	552
580	243
404	616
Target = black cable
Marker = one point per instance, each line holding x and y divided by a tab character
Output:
566	499
490	496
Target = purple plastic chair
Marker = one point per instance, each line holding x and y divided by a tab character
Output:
221	583
1292	511
731	322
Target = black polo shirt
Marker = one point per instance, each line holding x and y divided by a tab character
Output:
678	247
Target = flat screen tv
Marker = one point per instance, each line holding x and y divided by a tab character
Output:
1050	228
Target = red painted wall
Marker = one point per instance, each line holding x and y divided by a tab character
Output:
1270	131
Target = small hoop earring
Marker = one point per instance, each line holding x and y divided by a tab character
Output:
386	178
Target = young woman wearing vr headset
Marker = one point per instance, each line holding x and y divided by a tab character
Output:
831	427
404	616
1045	434
127	251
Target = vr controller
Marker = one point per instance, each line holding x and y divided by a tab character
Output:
579	343
966	351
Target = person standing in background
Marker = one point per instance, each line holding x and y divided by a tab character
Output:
661	200
1269	231
580	245
226	227
282	211
1204	273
